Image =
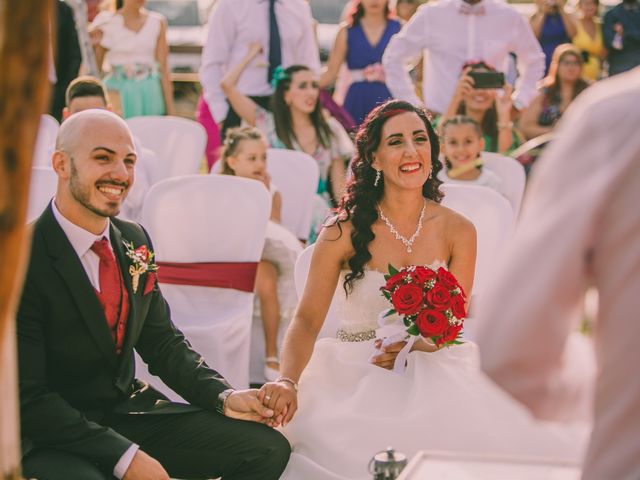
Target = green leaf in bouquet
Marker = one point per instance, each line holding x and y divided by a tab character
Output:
413	330
386	294
390	312
392	270
406	321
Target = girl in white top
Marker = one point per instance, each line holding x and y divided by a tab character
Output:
462	145
134	42
244	154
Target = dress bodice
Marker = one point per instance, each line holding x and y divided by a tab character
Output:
359	311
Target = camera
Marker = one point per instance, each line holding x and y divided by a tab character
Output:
483	80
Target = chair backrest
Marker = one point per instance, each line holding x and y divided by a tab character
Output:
45	141
303	264
42	188
512	177
178	142
295	175
493	218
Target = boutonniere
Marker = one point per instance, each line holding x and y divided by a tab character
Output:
141	262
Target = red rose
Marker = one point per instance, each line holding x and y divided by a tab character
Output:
423	274
439	297
143	253
431	323
407	299
449	335
447	279
457	306
395	280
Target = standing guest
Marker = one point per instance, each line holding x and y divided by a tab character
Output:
297	123
559	89
621	32
552	26
492	111
588	39
82	313
283	27
134	42
67	56
361	42
455	32
579	228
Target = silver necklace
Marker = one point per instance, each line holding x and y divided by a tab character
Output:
408	242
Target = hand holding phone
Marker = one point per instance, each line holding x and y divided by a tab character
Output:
484	80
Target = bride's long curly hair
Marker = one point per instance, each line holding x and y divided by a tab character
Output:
359	203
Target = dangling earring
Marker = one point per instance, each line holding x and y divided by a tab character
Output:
377	180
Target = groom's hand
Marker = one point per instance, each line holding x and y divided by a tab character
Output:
244	405
282	398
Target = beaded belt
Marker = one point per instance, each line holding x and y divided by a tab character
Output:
136	71
344	336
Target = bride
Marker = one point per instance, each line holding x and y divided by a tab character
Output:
349	404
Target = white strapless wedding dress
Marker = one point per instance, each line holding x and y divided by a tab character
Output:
349	409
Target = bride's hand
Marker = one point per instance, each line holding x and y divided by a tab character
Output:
280	397
387	356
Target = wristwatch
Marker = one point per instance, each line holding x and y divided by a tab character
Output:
222	400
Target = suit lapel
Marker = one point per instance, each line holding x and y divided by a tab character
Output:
69	266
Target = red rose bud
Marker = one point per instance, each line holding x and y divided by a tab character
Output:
447	279
439	297
423	274
143	252
450	335
407	299
395	280
431	323
457	306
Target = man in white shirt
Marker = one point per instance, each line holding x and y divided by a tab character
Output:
580	227
454	32
233	26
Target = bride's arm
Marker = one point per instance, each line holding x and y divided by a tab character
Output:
331	251
463	241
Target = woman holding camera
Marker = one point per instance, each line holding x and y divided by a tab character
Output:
552	26
560	87
483	104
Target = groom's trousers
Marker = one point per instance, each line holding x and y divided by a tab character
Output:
196	445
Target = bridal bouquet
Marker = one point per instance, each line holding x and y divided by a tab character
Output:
430	302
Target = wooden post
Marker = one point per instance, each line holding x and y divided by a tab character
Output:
25	27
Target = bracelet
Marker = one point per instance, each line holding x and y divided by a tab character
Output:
503	125
288	380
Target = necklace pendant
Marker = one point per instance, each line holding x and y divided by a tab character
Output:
409	250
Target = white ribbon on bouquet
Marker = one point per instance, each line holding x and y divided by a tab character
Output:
394	332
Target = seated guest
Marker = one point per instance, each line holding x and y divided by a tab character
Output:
297	123
90	298
490	110
462	145
560	87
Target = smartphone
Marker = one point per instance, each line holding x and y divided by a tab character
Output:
487	79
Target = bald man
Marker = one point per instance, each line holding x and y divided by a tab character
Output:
84	415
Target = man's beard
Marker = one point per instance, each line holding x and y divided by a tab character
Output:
81	193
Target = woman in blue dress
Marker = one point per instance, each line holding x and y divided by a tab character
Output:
361	42
552	26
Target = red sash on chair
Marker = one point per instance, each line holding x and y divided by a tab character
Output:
235	275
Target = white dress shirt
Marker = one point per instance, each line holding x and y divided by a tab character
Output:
580	226
233	25
81	241
449	39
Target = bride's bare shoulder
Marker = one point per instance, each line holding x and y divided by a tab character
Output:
336	236
453	222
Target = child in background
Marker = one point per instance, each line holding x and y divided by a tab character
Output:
244	154
462	144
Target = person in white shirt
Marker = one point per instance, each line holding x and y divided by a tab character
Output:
454	32
233	26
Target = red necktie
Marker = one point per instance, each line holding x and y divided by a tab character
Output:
112	294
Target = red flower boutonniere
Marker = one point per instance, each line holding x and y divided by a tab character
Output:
141	262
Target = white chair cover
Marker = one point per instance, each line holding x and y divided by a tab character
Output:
512	176
42	188
202	218
295	175
45	141
178	142
332	321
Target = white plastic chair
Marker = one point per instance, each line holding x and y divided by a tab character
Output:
42	188
203	218
493	218
45	141
178	142
295	175
332	321
512	176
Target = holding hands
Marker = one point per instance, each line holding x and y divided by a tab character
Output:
281	397
245	405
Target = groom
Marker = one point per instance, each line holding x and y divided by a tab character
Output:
83	312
